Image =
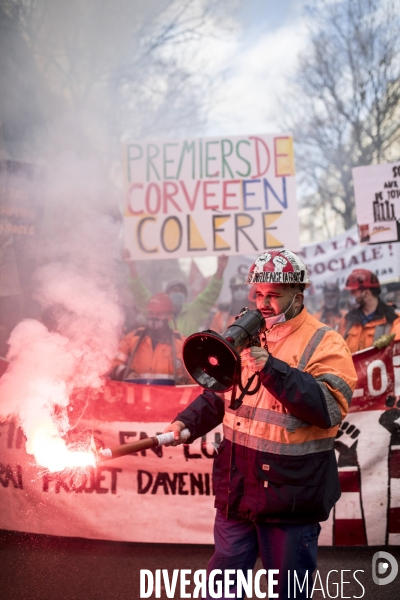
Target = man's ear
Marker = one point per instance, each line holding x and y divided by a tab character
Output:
298	300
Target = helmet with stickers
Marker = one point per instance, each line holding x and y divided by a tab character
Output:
279	266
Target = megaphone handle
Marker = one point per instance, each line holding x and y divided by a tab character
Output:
234	405
246	389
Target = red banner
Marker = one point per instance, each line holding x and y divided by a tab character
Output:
378	378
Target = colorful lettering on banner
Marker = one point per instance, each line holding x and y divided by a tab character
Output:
124	498
206	196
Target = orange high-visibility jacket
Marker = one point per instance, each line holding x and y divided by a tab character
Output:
358	336
164	361
277	460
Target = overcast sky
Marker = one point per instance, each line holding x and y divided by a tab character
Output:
258	64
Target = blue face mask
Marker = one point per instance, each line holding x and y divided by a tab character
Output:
177	299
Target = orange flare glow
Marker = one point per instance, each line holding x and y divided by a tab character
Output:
51	452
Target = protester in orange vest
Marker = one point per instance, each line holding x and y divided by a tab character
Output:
152	354
187	316
330	313
364	325
275	473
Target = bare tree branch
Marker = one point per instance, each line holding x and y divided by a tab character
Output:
348	100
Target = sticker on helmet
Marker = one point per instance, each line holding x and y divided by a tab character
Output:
292	259
278	266
276	277
280	263
261	261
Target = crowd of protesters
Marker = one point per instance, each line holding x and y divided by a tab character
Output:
151	349
362	312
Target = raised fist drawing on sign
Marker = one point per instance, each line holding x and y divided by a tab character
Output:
279	263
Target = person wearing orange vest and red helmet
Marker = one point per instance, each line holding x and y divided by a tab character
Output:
330	313
187	316
275	473
364	325
152	354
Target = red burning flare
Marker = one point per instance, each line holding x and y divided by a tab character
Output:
51	452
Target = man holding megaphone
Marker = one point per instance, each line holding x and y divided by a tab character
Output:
275	474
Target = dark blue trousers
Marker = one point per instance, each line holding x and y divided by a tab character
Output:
281	546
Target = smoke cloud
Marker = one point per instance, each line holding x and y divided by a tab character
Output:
132	70
77	286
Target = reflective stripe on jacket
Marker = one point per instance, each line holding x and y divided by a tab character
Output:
277	462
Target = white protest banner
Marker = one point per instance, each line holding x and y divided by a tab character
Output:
165	494
377	196
203	197
160	495
333	260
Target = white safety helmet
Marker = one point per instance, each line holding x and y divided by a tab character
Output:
279	266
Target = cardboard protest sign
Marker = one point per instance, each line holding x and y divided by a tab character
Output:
377	196
203	197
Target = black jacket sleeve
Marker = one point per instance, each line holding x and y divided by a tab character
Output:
297	391
202	415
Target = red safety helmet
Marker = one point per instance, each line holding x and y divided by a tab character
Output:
279	266
160	304
361	279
